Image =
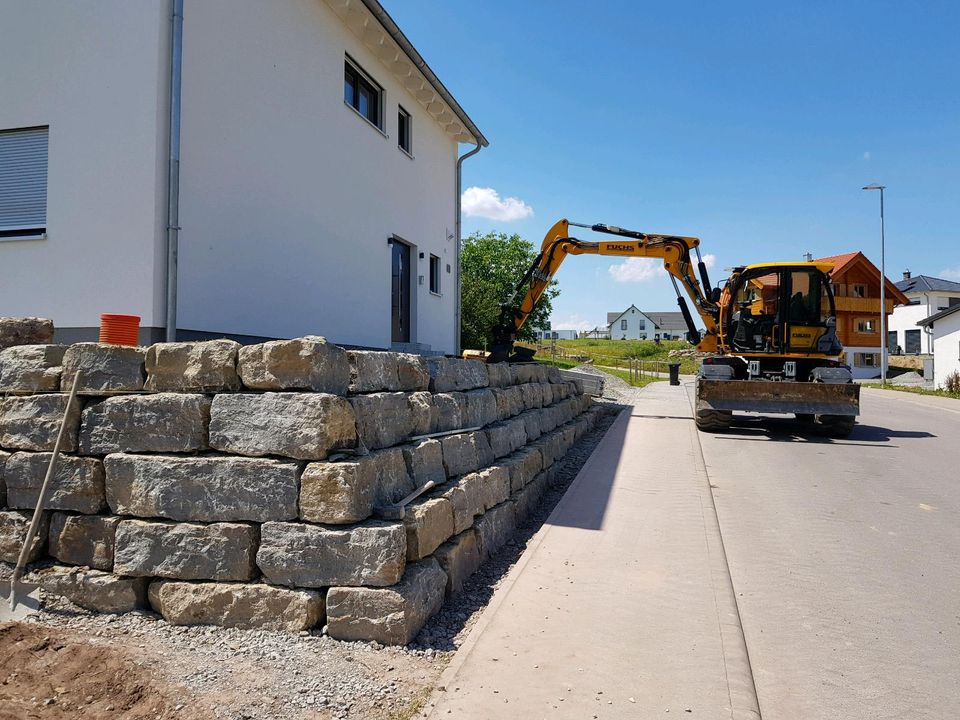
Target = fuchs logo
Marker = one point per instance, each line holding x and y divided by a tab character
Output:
620	248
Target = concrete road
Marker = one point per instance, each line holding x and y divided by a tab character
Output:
845	558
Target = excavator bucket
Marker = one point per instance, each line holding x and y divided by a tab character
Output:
767	396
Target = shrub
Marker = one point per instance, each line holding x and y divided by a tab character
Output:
952	383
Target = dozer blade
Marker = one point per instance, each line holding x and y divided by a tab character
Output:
767	396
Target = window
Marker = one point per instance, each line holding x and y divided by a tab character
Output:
866	359
623	324
859	291
954	301
362	94
23	183
866	325
642	324
404	131
911	342
434	274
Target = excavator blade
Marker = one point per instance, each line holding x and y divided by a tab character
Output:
767	396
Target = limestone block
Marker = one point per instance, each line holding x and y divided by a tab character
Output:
481	408
206	488
31	368
524	373
166	422
484	452
459	558
429	523
205	367
495	481
448	374
523	467
307	363
32	422
392	616
373	371
505	437
553	375
247	606
383	419
3	484
569	438
25	331
532	395
527	499
425	414
459	454
104	369
495	528
394	481
92	589
548	419
549	448
77	483
372	553
83	539
531	424
499	375
13	533
424	461
451	411
466	500
305	426
412	372
185	551
509	401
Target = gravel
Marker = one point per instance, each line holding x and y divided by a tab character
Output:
260	675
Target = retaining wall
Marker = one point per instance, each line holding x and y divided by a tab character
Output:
253	486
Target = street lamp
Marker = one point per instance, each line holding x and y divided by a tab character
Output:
883	294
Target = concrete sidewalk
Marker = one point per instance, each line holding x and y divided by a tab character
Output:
621	606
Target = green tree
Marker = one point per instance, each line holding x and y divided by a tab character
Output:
491	265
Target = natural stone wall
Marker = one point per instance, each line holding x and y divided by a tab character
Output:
258	486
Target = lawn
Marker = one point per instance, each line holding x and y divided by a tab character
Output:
619	353
624	375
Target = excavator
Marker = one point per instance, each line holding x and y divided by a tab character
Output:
770	331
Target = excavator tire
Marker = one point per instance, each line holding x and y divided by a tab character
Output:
713	420
836	426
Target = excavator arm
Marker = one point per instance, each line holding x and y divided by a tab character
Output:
674	250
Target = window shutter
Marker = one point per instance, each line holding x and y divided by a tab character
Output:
23	179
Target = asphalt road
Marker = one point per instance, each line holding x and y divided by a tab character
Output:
845	559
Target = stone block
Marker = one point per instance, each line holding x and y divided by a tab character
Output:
466	500
459	558
425	414
393	479
31	368
451	411
13	533
448	374
3	483
383	419
305	426
373	371
83	539
429	523
499	375
495	482
307	363
391	616
526	500
553	375
531	424
459	454
77	483
481	408
495	528
32	422
245	606
166	422
505	437
412	372
509	401
424	461
372	553
199	367
484	452
104	369
524	373
206	489
25	331
532	395
185	551
523	467
92	589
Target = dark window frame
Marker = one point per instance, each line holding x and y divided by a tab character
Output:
404	131
435	275
355	80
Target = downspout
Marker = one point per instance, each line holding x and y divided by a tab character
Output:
173	171
460	160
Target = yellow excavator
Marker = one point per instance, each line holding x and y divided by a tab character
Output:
771	329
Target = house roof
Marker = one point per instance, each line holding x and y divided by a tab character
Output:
842	263
612	317
939	316
399	55
925	283
668	320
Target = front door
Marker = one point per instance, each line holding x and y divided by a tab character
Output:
400	293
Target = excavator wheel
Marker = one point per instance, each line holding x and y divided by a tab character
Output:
713	420
836	426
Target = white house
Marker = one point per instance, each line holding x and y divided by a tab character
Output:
670	325
304	180
631	324
945	327
547	335
928	296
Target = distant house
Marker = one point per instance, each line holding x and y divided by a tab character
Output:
856	287
598	333
927	296
547	335
631	324
945	329
670	325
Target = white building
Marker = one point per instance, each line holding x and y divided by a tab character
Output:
631	324
945	327
928	296
547	335
318	172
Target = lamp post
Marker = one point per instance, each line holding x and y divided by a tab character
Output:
883	294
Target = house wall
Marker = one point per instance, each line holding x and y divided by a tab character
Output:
638	326
95	73
906	317
946	348
852	308
289	196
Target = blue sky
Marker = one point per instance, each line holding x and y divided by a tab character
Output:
752	125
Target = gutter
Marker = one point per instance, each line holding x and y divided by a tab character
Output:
457	310
173	170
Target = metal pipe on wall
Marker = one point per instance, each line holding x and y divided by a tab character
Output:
173	170
460	160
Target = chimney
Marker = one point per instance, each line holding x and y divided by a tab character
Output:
808	257
906	274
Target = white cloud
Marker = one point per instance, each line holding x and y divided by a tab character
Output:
643	269
866	155
574	322
951	273
487	203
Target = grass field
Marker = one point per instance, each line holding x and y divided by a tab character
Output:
915	390
624	375
617	353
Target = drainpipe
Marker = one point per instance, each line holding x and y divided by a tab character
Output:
173	171
460	239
